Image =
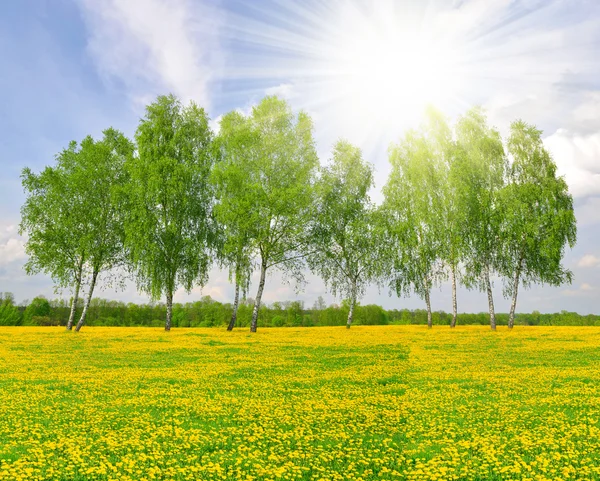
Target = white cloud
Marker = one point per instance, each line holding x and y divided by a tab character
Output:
588	212
215	124
584	290
12	246
585	117
589	260
11	251
8	231
285	90
218	287
154	46
578	159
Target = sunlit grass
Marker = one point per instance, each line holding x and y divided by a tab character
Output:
386	402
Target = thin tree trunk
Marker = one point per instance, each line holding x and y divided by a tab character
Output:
75	296
88	299
454	306
235	306
428	302
488	286
513	305
74	305
169	309
352	305
261	286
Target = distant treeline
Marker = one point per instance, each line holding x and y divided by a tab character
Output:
210	313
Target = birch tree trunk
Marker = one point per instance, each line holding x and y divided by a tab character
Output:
235	306
88	299
513	305
169	309
352	304
261	286
75	296
428	302
454	306
488	286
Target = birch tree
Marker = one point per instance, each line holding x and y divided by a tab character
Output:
236	146
72	217
538	221
100	176
413	207
276	196
169	230
446	157
344	230
482	163
53	218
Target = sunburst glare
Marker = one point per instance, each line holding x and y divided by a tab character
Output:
386	69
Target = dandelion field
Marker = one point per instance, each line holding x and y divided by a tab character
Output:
385	402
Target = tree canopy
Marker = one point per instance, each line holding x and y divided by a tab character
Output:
344	233
459	203
538	221
267	182
169	227
415	211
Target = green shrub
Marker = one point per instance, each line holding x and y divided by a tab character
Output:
44	321
38	307
9	313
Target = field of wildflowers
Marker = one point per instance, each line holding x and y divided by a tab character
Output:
381	402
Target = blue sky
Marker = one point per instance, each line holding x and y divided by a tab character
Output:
361	69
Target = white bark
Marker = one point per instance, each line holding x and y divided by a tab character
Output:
88	299
75	296
353	294
454	305
261	286
488	286
235	305
428	302
513	305
169	320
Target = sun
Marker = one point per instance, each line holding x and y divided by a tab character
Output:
364	70
384	68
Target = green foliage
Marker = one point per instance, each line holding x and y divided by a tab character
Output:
265	190
73	214
371	315
169	229
279	183
483	165
53	217
235	145
538	217
210	313
101	177
43	321
416	209
252	196
9	313
454	214
344	233
38	307
72	210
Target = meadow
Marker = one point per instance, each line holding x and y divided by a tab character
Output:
326	403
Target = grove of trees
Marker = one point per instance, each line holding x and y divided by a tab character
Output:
459	204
